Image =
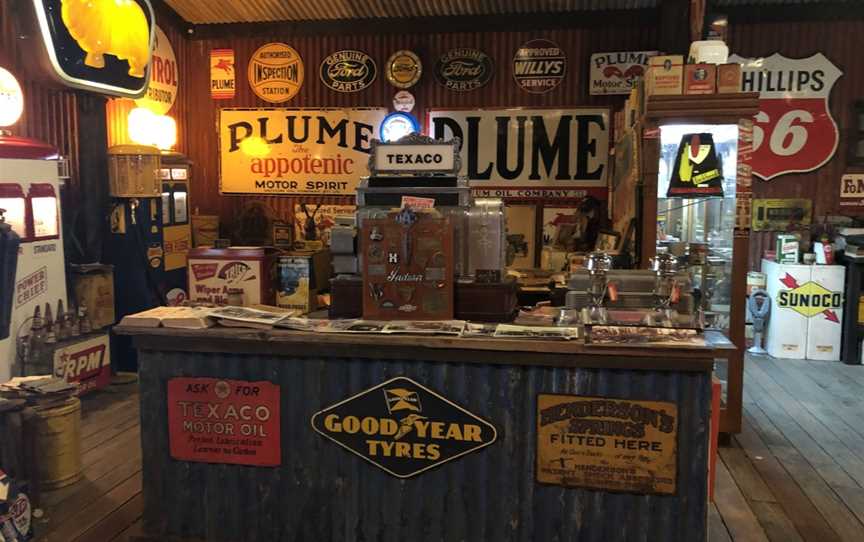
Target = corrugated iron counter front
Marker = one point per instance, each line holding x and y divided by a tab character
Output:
282	435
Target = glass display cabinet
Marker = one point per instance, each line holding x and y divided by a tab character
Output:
698	230
705	225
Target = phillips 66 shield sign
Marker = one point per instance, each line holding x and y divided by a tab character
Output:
794	130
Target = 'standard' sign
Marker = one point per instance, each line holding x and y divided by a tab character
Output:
548	149
403	427
295	151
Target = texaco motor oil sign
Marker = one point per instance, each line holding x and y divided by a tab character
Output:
403	427
224	421
794	130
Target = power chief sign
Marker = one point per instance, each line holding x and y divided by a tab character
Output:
794	130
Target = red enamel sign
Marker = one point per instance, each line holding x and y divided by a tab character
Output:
794	130
224	421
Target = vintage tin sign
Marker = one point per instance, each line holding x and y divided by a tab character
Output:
87	362
610	444
781	214
295	151
403	101
403	427
403	69
539	66
794	130
617	73
224	421
348	71
809	299
529	153
276	72
463	69
101	47
164	77
222	81
852	190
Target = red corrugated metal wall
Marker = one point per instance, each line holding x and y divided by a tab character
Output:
841	42
622	33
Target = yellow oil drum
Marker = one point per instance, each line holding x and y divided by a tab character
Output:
56	439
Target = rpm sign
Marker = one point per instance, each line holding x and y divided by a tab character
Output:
794	130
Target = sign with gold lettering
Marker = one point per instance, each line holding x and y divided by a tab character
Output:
224	421
403	427
602	443
295	151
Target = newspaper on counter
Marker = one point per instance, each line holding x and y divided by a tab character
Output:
537	332
434	327
479	330
248	317
645	336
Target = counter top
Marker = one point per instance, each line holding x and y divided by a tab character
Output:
288	343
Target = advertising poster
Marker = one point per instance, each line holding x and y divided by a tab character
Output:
313	221
295	151
610	444
617	73
224	421
529	153
794	130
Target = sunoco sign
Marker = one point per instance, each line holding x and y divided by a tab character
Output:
403	427
809	299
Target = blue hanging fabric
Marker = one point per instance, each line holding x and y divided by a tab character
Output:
9	242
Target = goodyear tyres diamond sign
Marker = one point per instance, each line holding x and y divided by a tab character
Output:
403	427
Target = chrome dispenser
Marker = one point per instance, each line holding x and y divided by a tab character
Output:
666	290
598	264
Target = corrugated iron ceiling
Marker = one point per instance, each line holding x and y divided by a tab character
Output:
250	11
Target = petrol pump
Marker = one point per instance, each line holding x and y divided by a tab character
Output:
30	198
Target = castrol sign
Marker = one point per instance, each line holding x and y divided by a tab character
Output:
794	131
212	420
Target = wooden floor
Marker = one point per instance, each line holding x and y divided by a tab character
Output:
795	473
106	504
